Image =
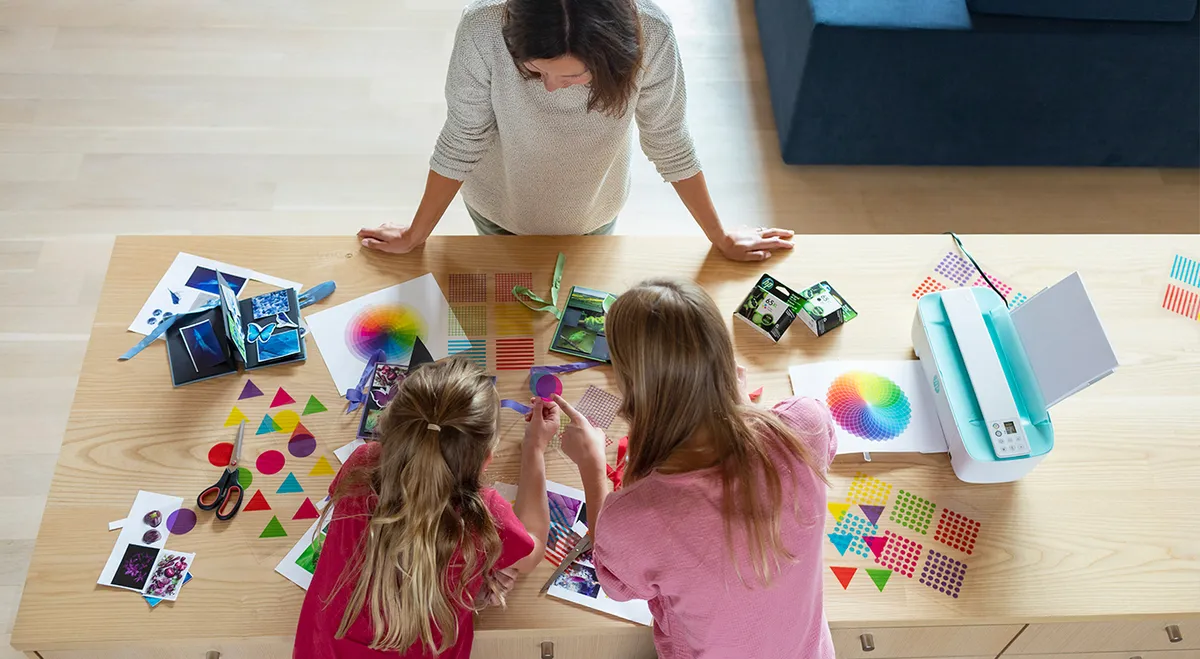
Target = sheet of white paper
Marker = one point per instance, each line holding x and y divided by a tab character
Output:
134	528
418	302
290	567
921	433
343	453
175	281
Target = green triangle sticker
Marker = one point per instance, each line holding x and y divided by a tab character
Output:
274	529
880	577
313	406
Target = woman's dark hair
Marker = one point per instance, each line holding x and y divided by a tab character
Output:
605	35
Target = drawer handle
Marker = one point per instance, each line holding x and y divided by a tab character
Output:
547	650
212	654
1173	634
868	642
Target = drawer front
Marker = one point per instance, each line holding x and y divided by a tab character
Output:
273	648
924	642
1153	654
1108	636
626	642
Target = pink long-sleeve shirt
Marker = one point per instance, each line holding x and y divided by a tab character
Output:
662	539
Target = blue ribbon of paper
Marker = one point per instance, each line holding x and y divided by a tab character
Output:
561	368
358	395
515	406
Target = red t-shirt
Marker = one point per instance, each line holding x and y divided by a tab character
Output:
318	622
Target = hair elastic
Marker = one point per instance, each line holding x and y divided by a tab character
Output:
434	426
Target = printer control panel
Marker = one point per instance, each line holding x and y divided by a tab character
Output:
1008	437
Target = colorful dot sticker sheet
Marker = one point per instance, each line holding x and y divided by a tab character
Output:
468	320
929	285
900	554
869	490
943	574
952	270
1004	288
467	288
505	281
599	406
913	512
955	268
957	531
858	527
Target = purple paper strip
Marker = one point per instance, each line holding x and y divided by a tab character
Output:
561	368
515	406
357	396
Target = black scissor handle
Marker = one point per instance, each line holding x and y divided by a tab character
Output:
231	503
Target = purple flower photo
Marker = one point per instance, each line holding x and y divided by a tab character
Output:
134	568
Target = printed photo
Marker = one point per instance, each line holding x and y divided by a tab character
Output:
134	569
387	374
577	339
202	345
233	316
168	575
579	579
280	345
563	509
269	304
205	279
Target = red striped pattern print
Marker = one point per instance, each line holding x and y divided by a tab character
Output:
514	354
1182	301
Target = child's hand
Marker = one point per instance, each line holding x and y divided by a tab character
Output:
581	441
506	579
543	422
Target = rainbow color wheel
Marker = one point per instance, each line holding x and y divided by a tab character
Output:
868	405
391	328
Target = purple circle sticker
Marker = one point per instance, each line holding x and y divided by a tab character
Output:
181	521
547	386
302	446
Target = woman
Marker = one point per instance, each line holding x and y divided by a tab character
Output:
541	97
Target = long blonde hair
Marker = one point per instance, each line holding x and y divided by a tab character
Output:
675	366
429	511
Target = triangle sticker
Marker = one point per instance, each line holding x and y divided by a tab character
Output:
290	485
235	417
250	391
873	513
322	468
282	398
273	530
306	510
420	355
876	543
841	541
275	427
843	574
838	510
268	425
880	577
755	395
257	502
313	406
301	431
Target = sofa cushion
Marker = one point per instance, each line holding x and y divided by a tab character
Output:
1104	10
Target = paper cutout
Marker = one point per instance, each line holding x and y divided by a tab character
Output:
1017	300
475	351
267	426
1182	301
869	490
841	541
547	386
235	418
838	510
1186	270
912	512
302	445
286	421
512	320
872	512
273	529
876	544
505	281
928	285
468	320
270	462
599	406
257	502
290	485
857	527
322	468
282	398
880	577
844	575
306	510
955	268
514	354
755	395
900	554
220	454
957	531
514	406
250	391
1004	288
181	521
467	288
313	406
245	478
943	574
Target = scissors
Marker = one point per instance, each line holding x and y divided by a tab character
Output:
226	494
580	548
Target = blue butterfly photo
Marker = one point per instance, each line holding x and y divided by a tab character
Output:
257	334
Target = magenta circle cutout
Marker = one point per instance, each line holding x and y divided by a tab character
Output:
181	521
548	385
302	446
270	462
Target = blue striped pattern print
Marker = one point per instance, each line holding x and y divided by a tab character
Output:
476	352
1186	270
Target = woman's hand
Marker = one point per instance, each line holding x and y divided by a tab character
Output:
754	244
392	239
582	442
543	422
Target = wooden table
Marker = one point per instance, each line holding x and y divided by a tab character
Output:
1106	529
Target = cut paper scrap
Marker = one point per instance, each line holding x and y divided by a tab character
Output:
880	577
843	574
220	453
505	281
282	398
257	502
869	490
475	351
287	420
514	354
235	417
267	425
1182	301
876	544
290	485
838	510
322	468
270	462
841	541
273	529
250	391
468	288
313	406
755	395
245	478
872	512
512	321
1186	270
468	320
306	510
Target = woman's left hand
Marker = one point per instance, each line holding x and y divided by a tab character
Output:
543	422
754	244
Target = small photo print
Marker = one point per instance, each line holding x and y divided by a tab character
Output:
386	375
371	421
168	575
577	339
269	304
134	569
579	579
202	345
280	345
205	279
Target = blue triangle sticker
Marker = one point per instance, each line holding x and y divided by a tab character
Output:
267	425
840	540
290	485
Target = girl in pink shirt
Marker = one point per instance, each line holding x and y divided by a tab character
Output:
720	519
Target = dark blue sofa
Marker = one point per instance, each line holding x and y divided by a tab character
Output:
938	82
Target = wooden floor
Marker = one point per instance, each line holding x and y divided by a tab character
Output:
317	117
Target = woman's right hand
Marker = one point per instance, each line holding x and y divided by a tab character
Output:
582	442
542	424
392	239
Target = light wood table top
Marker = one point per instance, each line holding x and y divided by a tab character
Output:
1105	526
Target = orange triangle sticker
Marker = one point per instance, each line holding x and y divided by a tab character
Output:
844	575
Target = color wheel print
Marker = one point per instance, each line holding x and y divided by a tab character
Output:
868	405
391	328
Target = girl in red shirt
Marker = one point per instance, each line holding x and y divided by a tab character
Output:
417	544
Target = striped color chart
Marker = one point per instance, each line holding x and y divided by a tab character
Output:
476	351
1182	301
1186	270
513	320
514	354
